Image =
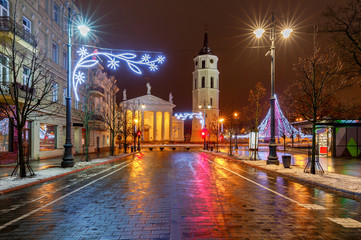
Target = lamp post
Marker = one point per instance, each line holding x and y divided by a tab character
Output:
135	134
205	116
68	160
272	157
220	121
236	130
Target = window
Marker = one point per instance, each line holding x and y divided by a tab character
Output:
203	64
195	83
108	143
56	13
83	105
212	82
4	8
27	24
65	61
26	77
103	140
211	101
47	136
76	104
55	52
203	82
4	71
55	92
64	95
4	134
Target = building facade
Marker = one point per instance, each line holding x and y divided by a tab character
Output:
205	94
153	117
43	25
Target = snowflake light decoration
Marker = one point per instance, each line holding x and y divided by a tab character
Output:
88	60
184	116
113	64
82	52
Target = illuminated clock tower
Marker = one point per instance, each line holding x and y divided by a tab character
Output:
205	94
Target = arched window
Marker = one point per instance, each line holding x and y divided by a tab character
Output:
203	82
195	83
211	101
203	64
212	82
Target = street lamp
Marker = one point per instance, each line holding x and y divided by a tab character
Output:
220	121
204	116
272	157
135	133
68	160
236	130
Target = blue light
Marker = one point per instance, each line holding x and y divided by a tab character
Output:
184	116
88	60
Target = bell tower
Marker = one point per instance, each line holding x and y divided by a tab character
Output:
205	94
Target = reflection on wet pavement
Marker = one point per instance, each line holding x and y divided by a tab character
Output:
177	195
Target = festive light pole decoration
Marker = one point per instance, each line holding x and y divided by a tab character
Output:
283	127
88	60
184	116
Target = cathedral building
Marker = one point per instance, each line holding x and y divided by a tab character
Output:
205	94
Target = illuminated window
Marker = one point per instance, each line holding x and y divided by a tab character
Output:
203	82
4	134
47	136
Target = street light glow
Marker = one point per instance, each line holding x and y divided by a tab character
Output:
199	106
83	30
286	32
221	120
143	106
259	32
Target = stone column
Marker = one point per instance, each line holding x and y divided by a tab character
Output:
142	127
163	127
154	126
35	141
170	126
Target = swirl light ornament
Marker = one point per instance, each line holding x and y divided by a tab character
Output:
113	61
184	116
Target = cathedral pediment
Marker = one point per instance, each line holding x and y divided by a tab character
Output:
149	100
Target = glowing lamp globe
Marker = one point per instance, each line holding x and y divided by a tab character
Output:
287	32
83	30
259	32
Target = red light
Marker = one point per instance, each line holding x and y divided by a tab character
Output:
139	133
203	133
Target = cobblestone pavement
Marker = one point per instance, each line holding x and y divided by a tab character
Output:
176	195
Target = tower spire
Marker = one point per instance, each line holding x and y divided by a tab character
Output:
205	49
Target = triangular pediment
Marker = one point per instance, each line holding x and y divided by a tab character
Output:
149	100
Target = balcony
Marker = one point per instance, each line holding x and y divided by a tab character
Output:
8	92
98	90
7	25
97	117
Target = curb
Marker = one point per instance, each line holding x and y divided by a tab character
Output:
61	175
345	193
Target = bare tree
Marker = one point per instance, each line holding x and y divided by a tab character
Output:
111	112
125	123
26	80
89	115
344	25
255	110
319	77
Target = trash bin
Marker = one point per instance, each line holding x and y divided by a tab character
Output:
286	159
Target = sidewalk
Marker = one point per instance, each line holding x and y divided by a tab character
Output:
346	185
299	157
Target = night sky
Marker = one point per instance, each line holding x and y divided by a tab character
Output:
176	28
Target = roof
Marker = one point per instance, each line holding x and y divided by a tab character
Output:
205	49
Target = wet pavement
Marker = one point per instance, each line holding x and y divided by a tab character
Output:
176	195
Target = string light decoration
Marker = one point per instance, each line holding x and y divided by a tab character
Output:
184	116
88	60
283	127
